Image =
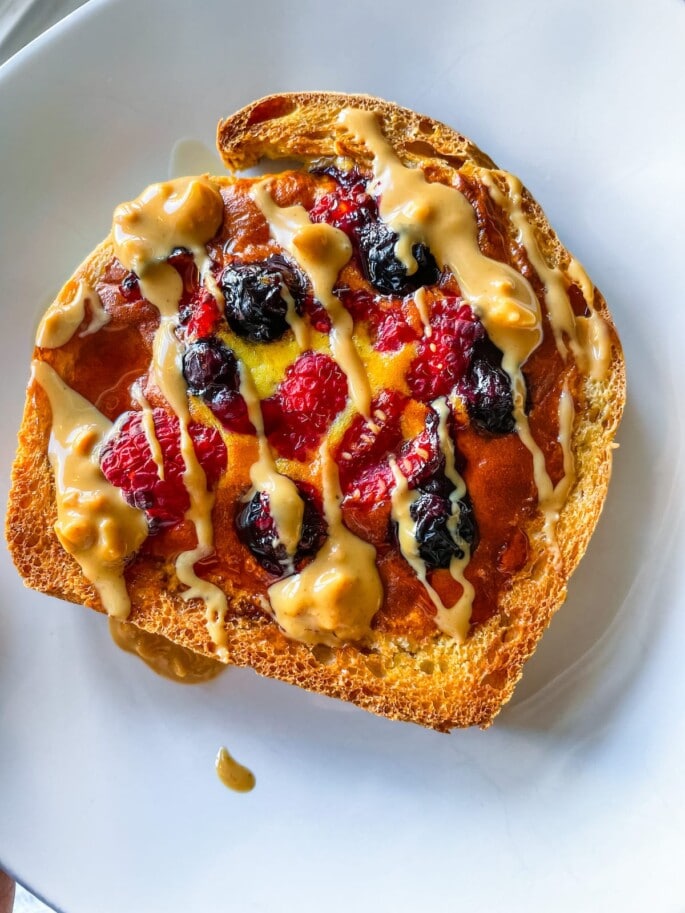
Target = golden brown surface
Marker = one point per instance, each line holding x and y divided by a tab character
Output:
407	670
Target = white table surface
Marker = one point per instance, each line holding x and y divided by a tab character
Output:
20	22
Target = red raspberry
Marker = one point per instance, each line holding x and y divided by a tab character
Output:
198	311
306	401
385	318
347	207
200	314
394	332
361	447
361	304
318	315
126	462
417	460
373	486
443	358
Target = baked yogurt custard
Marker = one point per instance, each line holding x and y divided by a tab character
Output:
350	425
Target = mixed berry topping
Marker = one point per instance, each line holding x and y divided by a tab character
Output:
127	462
453	358
257	531
211	372
304	405
459	357
351	209
254	292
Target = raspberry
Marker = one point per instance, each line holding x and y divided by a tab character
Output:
384	317
443	358
372	487
347	207
197	309
361	304
362	447
394	332
318	315
199	314
418	460
306	401
126	461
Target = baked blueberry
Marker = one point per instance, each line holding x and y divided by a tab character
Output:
210	368
257	531
487	391
255	304
441	537
384	270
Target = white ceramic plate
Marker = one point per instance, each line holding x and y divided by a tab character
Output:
574	800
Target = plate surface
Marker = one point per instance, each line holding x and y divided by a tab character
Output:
575	799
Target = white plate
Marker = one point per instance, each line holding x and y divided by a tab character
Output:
575	800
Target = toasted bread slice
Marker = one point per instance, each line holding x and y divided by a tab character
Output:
552	461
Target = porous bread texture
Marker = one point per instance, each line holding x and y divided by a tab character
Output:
435	682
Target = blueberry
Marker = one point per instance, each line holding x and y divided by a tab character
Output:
210	368
386	273
347	179
255	306
257	531
487	391
433	516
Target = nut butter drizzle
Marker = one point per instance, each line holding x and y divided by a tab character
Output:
321	251
452	620
440	216
187	213
94	523
333	599
421	302
593	357
62	319
163	656
148	421
285	504
300	327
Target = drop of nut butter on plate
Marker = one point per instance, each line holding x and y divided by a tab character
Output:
232	774
164	657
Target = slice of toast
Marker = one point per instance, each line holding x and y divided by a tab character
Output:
429	617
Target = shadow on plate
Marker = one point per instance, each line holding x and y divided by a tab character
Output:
595	646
